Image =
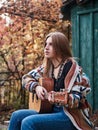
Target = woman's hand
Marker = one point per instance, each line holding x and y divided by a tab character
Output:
51	97
41	92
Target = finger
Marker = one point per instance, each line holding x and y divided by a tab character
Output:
41	97
50	98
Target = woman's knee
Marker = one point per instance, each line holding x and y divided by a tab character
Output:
15	114
23	113
27	124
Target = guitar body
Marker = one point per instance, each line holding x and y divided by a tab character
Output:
34	102
42	106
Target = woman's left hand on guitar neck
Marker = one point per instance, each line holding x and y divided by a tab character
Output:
41	92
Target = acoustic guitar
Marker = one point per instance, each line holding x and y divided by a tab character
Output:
44	106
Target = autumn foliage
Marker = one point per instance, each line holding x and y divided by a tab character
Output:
22	41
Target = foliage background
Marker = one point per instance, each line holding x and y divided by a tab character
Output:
21	46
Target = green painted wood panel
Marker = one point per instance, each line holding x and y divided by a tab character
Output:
95	31
75	46
85	44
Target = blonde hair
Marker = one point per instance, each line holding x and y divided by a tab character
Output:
61	47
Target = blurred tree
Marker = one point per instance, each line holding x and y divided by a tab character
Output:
22	40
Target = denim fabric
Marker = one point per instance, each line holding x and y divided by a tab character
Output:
31	120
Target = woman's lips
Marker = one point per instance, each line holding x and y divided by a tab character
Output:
46	52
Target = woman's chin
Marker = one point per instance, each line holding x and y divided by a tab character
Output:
47	56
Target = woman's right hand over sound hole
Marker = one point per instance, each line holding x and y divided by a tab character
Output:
41	92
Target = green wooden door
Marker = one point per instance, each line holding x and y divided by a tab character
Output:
85	44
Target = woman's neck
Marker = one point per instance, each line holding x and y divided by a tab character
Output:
56	63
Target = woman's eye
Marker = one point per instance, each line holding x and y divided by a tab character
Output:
50	43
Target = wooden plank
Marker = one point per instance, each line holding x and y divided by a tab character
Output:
95	60
86	54
75	45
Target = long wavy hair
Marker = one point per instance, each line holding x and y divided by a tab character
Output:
61	48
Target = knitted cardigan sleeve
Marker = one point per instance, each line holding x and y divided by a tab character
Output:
30	80
79	91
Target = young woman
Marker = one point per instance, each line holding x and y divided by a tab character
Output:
60	66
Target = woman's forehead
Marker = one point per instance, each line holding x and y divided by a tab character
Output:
49	40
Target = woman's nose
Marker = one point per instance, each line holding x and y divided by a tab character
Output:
47	47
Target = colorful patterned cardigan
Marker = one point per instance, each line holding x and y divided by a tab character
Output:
78	86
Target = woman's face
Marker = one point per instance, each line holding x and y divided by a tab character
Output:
48	50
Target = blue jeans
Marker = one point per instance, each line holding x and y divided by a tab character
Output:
31	120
